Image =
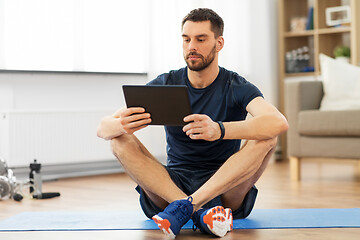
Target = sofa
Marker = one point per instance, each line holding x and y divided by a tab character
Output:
318	134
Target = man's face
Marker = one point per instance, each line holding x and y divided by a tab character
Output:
199	45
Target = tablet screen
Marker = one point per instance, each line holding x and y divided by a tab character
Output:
168	105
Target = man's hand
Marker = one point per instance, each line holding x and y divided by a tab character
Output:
124	120
201	127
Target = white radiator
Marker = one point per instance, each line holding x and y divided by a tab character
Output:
52	137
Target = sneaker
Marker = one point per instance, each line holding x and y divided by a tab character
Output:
174	216
216	221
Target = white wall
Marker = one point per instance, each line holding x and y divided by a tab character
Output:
55	91
63	91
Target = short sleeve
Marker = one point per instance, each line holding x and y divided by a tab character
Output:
243	91
160	80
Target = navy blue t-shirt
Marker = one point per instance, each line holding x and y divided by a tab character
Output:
223	100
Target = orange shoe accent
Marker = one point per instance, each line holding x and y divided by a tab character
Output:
163	224
230	217
209	217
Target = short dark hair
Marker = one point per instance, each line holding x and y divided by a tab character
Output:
206	14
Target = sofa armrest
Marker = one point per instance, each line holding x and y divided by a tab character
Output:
299	95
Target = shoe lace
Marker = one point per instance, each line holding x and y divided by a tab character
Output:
196	221
194	218
183	208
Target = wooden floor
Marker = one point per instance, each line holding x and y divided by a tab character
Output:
324	185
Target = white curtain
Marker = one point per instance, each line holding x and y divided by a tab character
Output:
74	35
165	33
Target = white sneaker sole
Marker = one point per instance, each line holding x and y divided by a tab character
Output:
164	225
219	220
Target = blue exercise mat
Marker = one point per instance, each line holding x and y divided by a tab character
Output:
125	220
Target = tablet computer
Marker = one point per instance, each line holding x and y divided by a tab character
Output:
168	105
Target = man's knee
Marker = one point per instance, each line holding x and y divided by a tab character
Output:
122	144
271	143
265	145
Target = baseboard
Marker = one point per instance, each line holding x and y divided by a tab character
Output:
58	171
52	172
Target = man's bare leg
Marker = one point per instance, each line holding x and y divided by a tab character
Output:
234	197
145	170
237	175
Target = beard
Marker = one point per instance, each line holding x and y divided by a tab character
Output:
204	63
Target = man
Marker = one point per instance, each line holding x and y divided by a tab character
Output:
207	174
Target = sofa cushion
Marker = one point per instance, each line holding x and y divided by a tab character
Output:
329	123
329	147
341	85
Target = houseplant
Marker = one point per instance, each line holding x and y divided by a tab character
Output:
342	53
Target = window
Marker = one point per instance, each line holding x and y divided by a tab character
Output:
74	35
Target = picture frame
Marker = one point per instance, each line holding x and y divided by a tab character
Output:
338	15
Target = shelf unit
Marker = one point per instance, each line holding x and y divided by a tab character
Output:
321	39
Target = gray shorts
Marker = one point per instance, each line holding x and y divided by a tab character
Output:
189	181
